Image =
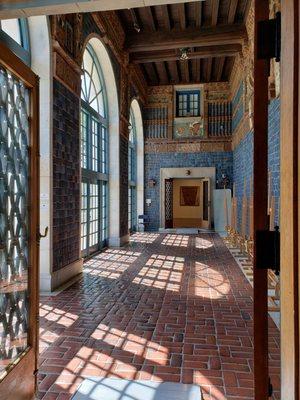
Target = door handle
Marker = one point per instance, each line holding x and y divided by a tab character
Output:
45	233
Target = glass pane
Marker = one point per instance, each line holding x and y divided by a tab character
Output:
92	85
12	28
14	219
84	215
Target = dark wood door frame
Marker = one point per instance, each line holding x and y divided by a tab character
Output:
260	174
290	200
19	383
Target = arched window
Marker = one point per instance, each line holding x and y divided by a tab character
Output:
132	174
94	156
14	33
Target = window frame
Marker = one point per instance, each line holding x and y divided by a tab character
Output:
22	51
188	93
132	175
99	175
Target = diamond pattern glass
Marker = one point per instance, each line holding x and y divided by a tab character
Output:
14	220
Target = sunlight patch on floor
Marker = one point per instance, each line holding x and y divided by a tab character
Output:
176	240
162	272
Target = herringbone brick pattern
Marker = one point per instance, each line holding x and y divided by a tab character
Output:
166	307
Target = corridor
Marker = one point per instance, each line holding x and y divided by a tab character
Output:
165	307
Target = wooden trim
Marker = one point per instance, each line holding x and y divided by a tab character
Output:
10	61
261	373
290	201
10	388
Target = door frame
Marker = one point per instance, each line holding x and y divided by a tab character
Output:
290	200
26	366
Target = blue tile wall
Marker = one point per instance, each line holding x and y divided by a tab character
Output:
155	161
242	170
243	161
274	152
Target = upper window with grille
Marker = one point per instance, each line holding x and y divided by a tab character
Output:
188	103
92	85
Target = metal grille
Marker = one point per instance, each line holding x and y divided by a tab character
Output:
169	203
14	221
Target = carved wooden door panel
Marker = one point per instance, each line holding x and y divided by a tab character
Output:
169	203
19	223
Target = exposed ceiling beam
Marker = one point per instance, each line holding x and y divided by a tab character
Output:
174	54
162	73
219	68
184	71
27	8
214	12
198	14
148	19
208	69
220	35
196	70
172	67
182	17
166	16
232	11
152	74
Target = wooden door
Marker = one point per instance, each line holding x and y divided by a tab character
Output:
169	203
19	224
206	203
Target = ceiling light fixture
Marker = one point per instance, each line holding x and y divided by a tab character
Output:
184	54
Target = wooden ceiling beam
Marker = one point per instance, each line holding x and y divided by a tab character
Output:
208	69
219	68
174	54
198	14
196	70
182	16
162	73
214	12
165	12
220	35
184	71
172	67
149	17
232	11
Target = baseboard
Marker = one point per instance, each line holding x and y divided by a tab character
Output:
49	283
119	241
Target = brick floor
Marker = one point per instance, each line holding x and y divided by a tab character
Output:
166	307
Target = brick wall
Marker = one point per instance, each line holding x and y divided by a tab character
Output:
66	176
155	161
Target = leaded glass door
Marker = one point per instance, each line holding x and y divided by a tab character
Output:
19	223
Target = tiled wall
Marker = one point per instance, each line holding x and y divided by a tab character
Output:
237	107
243	171
155	161
274	152
243	161
66	177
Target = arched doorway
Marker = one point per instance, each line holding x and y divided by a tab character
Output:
135	166
99	164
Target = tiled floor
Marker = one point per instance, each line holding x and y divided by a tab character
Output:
172	308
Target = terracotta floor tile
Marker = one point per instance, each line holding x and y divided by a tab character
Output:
170	307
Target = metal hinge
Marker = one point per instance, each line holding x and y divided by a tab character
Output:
268	250
270	388
269	38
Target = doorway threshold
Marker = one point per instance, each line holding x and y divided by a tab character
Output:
119	389
185	231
